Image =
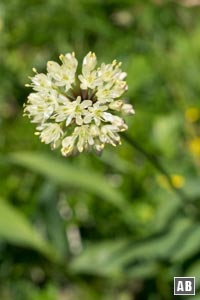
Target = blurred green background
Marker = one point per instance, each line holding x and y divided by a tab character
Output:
108	227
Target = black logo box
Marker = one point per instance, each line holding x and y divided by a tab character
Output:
181	286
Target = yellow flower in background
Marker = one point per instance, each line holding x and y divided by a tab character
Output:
194	146
192	114
79	112
177	180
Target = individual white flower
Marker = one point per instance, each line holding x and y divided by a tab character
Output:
118	88
115	120
111	71
88	81
88	78
39	109
40	82
78	111
104	93
89	63
50	133
68	145
81	136
109	134
116	105
127	109
63	75
85	139
72	110
69	62
95	113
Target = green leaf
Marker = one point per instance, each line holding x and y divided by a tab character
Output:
143	270
16	229
108	258
60	171
99	258
56	229
168	205
156	247
189	246
191	187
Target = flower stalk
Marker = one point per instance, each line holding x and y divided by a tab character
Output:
156	163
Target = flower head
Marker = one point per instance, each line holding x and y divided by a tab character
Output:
79	112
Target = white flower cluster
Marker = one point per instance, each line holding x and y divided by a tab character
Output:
78	112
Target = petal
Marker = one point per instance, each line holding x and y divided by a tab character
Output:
103	107
69	119
78	100
80	144
86	103
60	118
87	119
69	61
67	141
89	63
79	120
53	67
97	121
108	117
128	109
90	140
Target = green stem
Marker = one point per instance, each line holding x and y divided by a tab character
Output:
156	163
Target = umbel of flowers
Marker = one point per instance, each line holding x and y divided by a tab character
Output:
78	112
